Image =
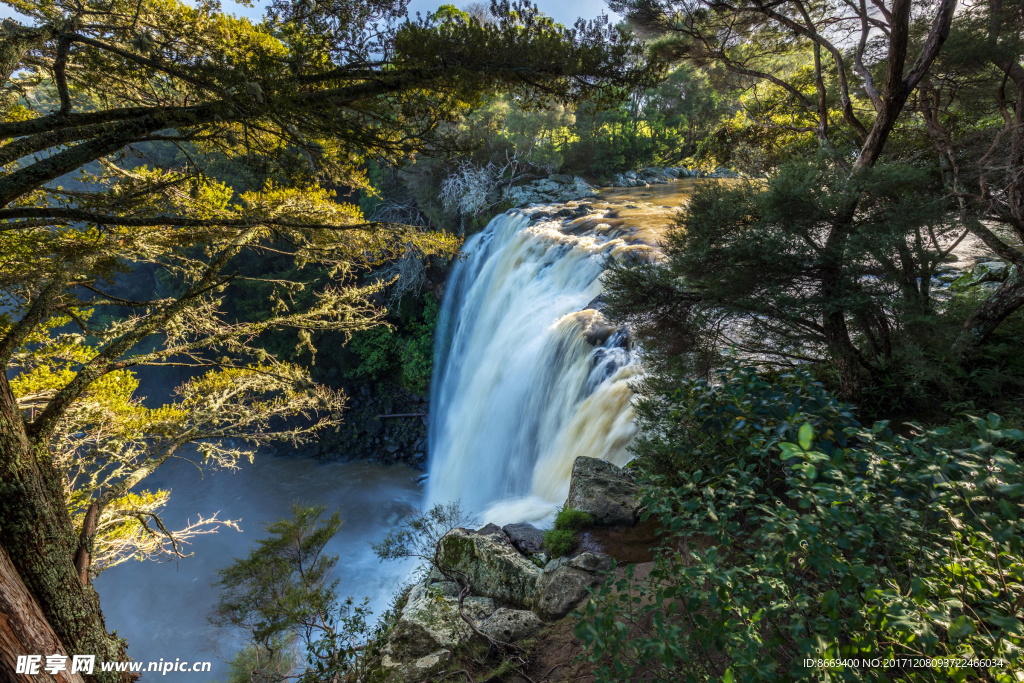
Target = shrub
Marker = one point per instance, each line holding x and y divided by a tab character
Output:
821	543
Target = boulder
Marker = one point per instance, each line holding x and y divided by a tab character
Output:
430	620
491	563
590	562
606	492
416	670
526	538
560	588
989	271
511	625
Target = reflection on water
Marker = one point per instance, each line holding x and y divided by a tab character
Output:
162	608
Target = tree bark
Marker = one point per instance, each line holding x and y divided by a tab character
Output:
984	320
39	538
25	631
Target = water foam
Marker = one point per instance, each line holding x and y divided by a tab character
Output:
528	374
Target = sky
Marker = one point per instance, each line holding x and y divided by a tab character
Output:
562	11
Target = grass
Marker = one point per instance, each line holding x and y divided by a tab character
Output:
561	540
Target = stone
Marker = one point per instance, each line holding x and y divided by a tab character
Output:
560	588
590	562
510	625
605	492
430	621
416	670
491	563
988	271
526	538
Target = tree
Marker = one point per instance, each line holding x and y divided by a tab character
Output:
300	100
747	38
977	135
282	592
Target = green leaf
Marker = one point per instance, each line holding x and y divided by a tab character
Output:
806	437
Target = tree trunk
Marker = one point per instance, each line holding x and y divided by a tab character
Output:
986	318
37	533
25	631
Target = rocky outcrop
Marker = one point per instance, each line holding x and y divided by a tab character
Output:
605	492
565	582
661	176
420	643
370	432
491	564
415	670
553	189
511	625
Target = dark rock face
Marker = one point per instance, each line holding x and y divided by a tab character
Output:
525	537
604	491
366	435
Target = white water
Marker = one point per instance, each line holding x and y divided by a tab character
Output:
528	375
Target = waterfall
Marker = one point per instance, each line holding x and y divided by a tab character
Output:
528	375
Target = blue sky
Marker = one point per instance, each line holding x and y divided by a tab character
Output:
563	11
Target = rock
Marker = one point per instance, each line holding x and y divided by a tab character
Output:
430	621
511	625
989	271
560	588
525	537
604	491
590	562
491	563
416	670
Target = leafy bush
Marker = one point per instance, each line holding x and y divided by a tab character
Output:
405	354
812	542
562	539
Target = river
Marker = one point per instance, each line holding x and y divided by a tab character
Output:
527	377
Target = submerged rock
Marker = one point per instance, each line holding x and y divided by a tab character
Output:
605	492
491	563
988	271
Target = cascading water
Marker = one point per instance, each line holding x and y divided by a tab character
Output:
528	375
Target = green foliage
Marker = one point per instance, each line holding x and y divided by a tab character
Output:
284	582
573	520
282	595
559	542
263	664
405	355
750	265
688	426
562	538
805	536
